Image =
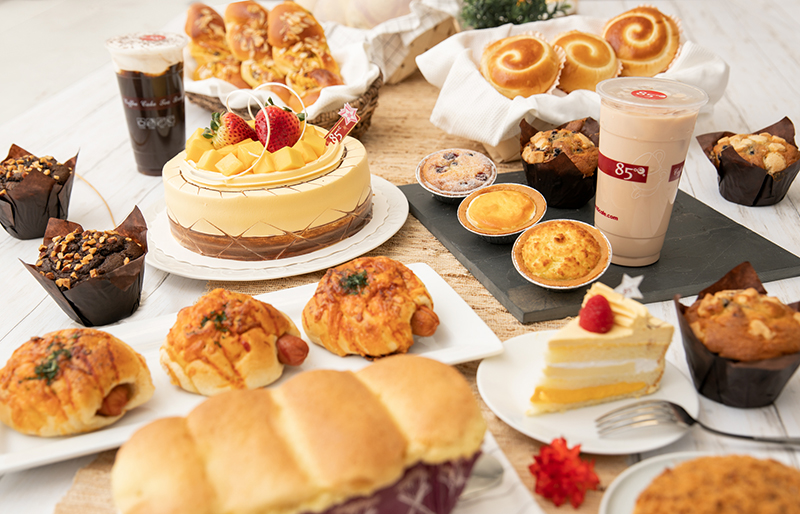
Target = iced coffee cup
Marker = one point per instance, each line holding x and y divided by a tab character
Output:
149	68
646	125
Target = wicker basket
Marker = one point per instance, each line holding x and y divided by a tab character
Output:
365	104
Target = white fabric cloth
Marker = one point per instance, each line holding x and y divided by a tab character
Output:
468	106
356	68
388	42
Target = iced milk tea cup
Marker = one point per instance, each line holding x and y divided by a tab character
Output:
646	125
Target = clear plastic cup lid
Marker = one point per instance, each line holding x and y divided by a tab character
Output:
645	93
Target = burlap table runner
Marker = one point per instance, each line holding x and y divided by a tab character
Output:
400	136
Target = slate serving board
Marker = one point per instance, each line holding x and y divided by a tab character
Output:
701	246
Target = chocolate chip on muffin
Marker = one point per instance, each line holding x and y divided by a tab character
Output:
80	255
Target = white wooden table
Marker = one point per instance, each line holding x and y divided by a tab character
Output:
758	38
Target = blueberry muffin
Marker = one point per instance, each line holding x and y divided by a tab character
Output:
547	145
456	172
80	255
745	325
771	153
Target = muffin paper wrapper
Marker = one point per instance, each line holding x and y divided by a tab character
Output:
744	183
423	488
734	383
26	209
561	183
107	298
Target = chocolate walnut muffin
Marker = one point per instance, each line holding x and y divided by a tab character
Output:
80	255
12	170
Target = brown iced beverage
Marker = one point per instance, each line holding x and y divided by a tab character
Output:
646	125
149	69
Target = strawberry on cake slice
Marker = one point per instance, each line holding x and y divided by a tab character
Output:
614	349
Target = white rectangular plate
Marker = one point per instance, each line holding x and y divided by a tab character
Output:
462	336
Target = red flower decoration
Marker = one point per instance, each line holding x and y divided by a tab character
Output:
560	473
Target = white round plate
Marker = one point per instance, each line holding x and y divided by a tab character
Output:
621	495
389	213
507	381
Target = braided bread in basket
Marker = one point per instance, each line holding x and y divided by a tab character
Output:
320	442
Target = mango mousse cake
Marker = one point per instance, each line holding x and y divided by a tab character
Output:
614	349
240	201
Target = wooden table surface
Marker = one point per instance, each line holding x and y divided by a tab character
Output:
756	37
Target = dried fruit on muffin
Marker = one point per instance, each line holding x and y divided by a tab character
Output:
745	325
772	153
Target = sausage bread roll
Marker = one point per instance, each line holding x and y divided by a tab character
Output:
229	341
71	381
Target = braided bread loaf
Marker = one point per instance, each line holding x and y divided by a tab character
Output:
206	29
521	65
246	30
319	439
645	40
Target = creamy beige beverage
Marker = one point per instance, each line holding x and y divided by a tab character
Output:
646	125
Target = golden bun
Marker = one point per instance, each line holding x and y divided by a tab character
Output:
256	73
246	30
590	59
228	69
225	341
521	65
289	24
320	438
370	306
206	29
645	40
71	381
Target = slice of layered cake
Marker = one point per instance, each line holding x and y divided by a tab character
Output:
614	349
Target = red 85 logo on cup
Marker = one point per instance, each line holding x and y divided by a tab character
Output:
649	94
622	171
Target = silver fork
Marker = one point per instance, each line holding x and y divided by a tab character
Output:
649	413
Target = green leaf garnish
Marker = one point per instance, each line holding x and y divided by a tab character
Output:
354	282
48	369
218	318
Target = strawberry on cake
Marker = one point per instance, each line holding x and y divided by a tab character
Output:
266	189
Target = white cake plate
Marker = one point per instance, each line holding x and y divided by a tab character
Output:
389	213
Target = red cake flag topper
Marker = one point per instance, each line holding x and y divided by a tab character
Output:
348	120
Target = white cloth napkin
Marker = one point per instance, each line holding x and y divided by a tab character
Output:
354	63
468	106
388	42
